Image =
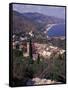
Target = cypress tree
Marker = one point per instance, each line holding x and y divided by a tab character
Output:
30	51
38	60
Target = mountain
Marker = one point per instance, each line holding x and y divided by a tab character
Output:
44	19
23	23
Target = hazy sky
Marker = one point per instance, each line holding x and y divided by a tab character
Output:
46	10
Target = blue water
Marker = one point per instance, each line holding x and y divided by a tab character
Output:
57	30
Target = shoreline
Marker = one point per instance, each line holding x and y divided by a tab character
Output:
49	26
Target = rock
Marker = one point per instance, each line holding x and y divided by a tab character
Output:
38	81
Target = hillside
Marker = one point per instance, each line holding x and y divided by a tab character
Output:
36	22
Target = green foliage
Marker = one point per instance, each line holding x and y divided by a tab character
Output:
29	72
58	67
25	68
31	61
17	52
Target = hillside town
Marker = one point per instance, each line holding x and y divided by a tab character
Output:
44	50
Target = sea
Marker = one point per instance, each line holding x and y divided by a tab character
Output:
56	30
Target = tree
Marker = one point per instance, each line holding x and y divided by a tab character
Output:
30	51
17	46
38	59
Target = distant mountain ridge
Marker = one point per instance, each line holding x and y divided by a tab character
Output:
43	18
